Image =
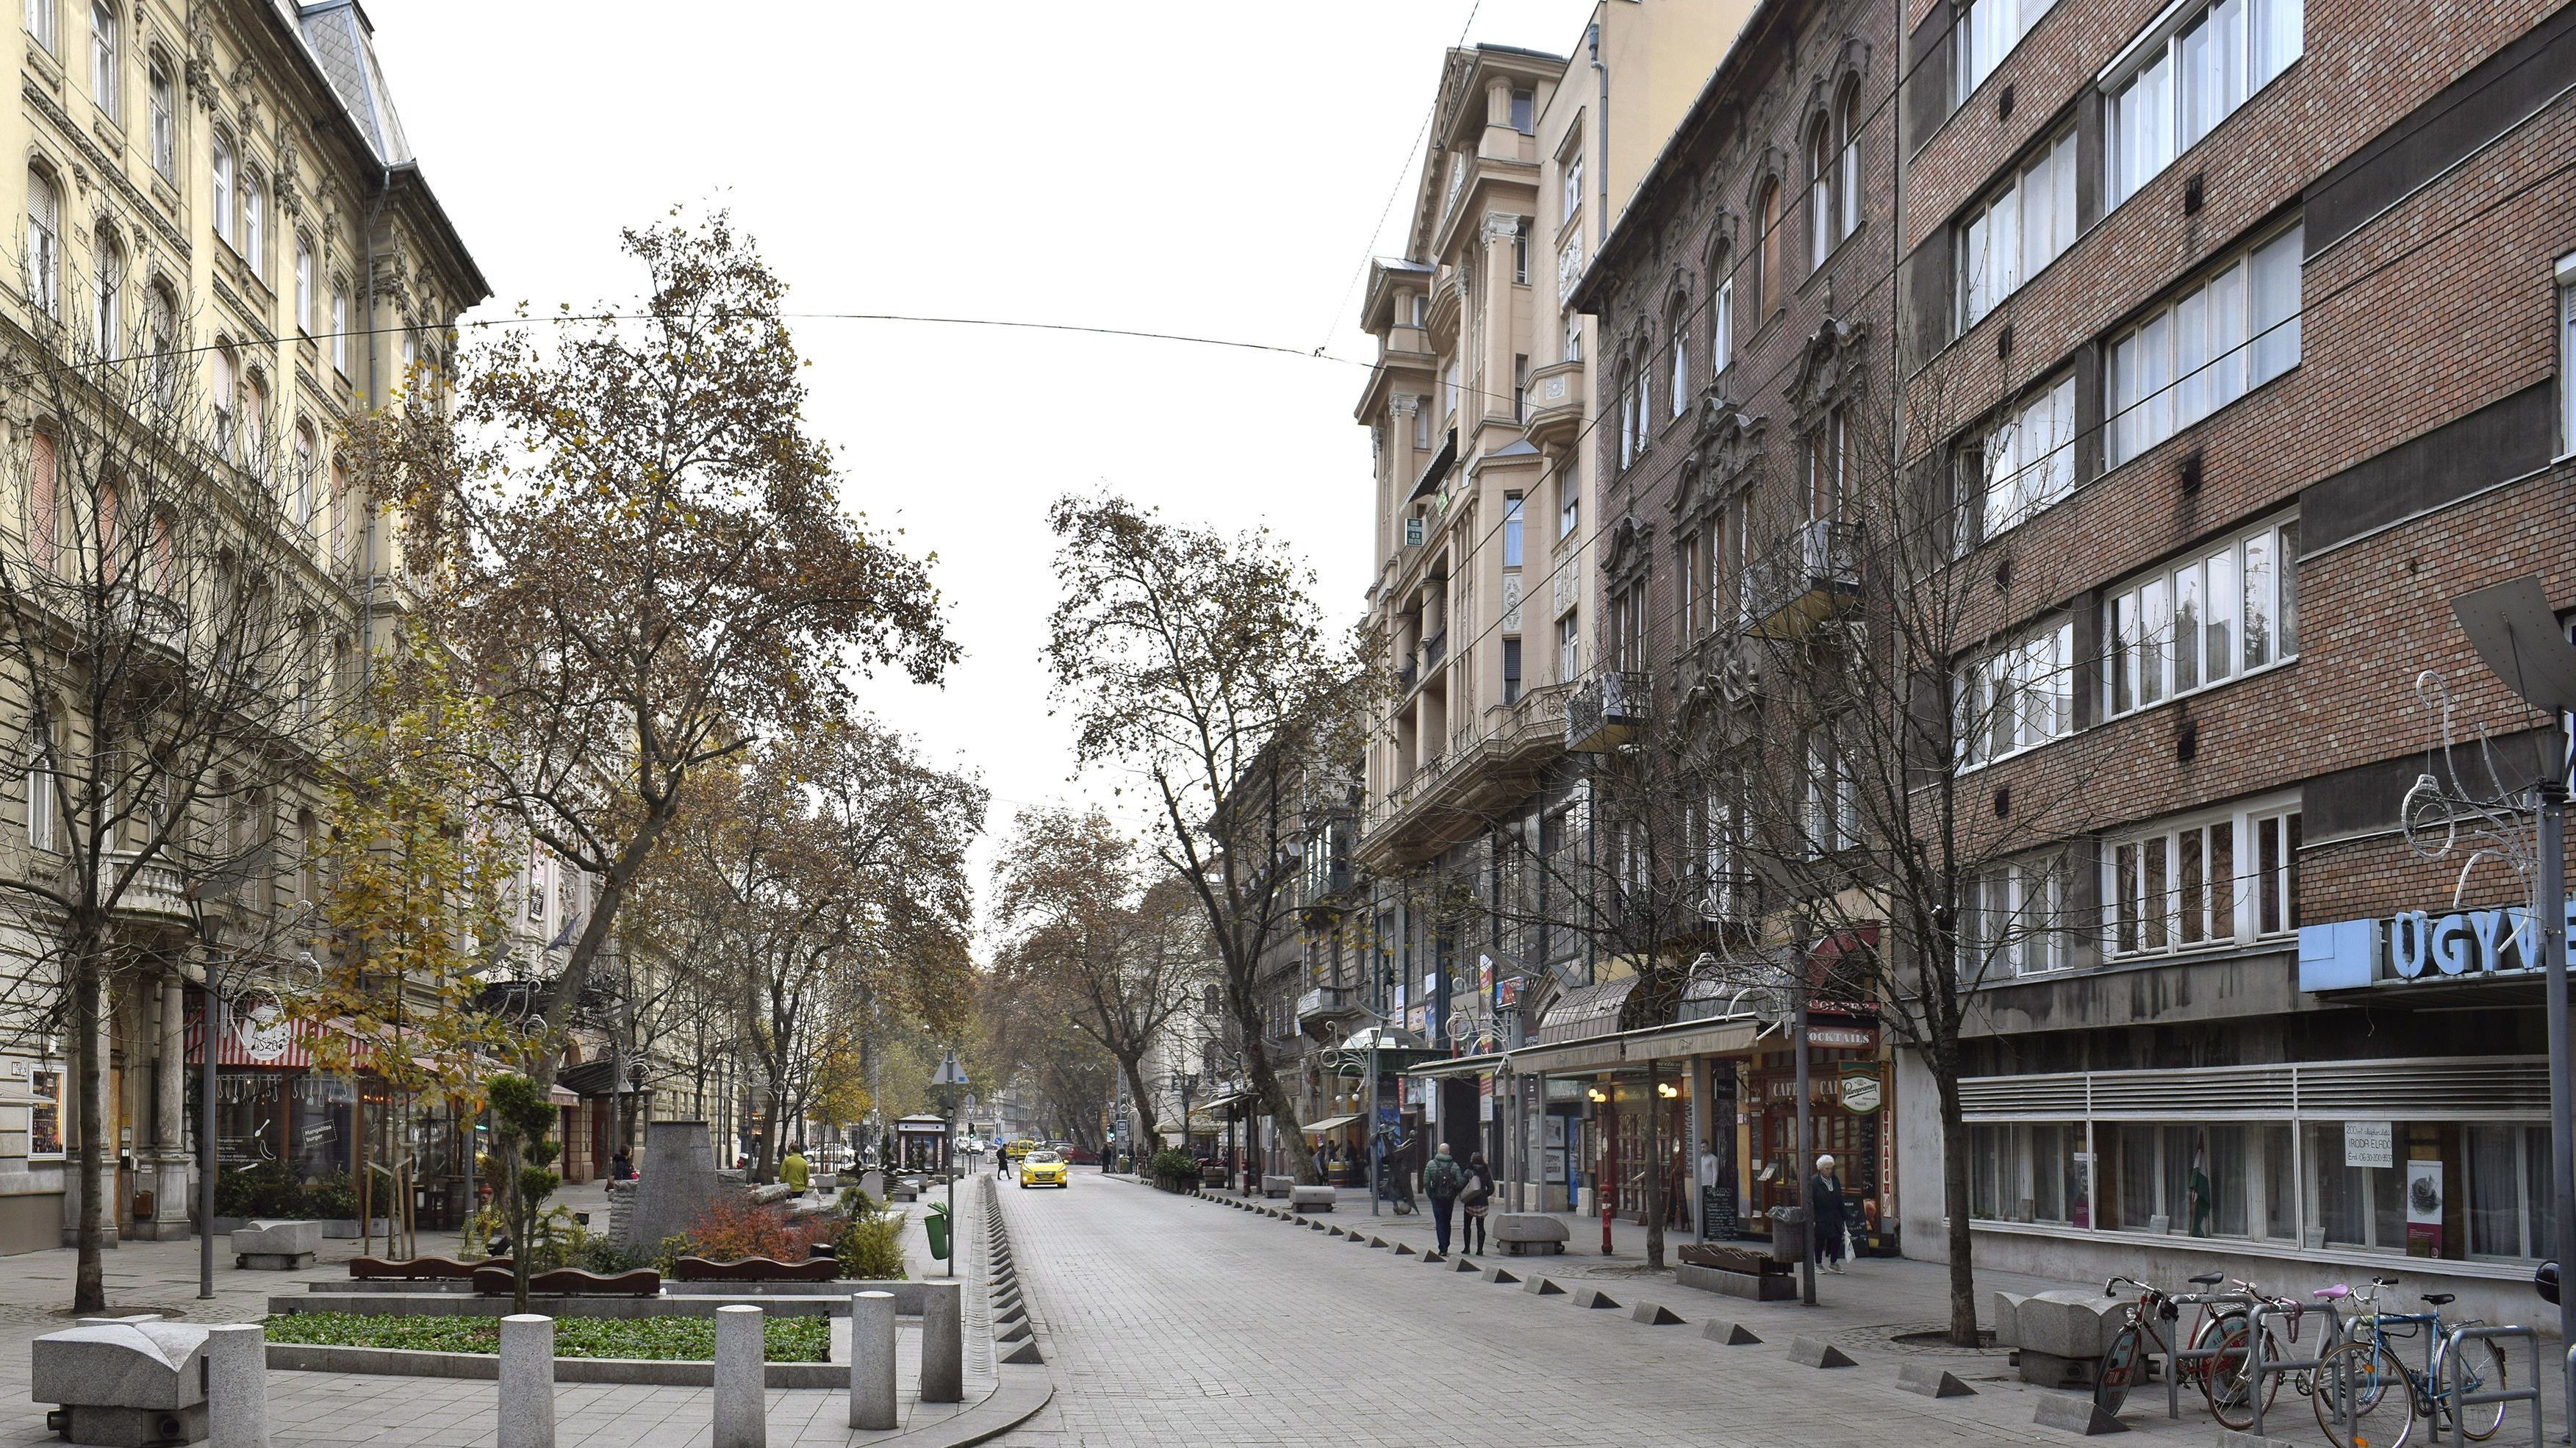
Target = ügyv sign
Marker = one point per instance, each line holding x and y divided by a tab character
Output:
2419	945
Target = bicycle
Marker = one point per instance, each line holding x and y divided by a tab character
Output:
2231	1397
2143	1319
2367	1397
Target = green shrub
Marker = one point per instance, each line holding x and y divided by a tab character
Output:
667	1255
784	1339
1173	1167
870	1245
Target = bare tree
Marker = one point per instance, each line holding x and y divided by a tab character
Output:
1200	663
166	621
1087	931
641	551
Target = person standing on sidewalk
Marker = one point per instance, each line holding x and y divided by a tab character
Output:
1442	1181
1825	1215
1477	1200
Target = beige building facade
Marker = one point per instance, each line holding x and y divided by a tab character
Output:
218	199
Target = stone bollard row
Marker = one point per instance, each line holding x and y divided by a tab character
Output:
741	1379
237	1385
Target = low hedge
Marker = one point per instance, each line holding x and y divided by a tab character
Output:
688	1339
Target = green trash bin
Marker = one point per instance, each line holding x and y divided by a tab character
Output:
936	1226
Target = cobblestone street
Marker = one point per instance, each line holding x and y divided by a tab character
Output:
1170	1320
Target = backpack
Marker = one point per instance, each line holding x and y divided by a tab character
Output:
1442	1178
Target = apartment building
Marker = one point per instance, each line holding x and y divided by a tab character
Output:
1486	513
2220	346
222	209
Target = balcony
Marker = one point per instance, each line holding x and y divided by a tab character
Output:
1435	649
1484	770
1407	674
1326	1005
1604	711
155	893
1803	579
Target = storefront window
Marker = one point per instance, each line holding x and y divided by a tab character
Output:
2030	1174
322	1126
2357	1203
45	1117
2509	1208
250	1118
2215	1180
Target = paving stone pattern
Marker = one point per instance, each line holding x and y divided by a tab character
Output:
1174	1320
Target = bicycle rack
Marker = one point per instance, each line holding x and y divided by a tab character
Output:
2257	1366
2459	1417
2176	1357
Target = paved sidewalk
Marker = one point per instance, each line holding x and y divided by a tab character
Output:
1169	1319
332	1410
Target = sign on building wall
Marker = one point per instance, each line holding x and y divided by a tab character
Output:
2417	945
2369	1144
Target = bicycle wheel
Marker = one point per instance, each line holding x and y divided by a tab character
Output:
2476	1368
2362	1397
2119	1370
2226	1380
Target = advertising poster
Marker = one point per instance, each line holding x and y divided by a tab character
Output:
2423	1209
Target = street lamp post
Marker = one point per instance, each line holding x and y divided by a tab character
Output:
951	1084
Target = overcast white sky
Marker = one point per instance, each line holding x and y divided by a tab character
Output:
1205	166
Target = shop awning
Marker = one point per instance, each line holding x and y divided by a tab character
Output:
1480	1065
1329	1123
561	1097
1585	1011
1653	1043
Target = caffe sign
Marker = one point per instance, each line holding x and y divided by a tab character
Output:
2416	946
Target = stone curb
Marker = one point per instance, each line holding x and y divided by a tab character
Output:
308	1357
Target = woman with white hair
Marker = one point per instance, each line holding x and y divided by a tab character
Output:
1825	1215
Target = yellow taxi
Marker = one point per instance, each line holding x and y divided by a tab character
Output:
1044	1169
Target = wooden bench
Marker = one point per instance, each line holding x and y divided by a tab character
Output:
756	1269
420	1269
571	1282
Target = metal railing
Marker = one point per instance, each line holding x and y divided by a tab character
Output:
1435	648
2460	1401
2257	1366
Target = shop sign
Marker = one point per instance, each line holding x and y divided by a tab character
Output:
1860	1092
1857	1038
1485	1098
2369	1143
2415	945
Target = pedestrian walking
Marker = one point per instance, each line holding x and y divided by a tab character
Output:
1825	1215
1442	1181
1477	1200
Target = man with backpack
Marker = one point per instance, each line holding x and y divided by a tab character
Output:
1442	1181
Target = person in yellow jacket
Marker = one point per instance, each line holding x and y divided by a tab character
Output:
793	1170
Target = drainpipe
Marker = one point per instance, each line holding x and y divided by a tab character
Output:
1600	125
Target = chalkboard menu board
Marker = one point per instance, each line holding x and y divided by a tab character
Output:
1716	1213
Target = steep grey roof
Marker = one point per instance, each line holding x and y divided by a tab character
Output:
344	45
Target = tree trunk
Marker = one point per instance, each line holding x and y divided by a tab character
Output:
1651	1170
1133	1065
1954	1201
1274	1097
89	1282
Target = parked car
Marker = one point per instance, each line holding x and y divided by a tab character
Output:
1080	1156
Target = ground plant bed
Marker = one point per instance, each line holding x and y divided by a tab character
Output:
688	1339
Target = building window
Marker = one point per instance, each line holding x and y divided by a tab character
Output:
2203	880
1767	269
2233	332
41	25
1629	419
2017	230
226	400
44	801
1828	454
1569	647
44	244
2017	697
2013	921
1511	530
2567	353
1985	32
1448	384
1847	124
165	121
111	293
254	417
1511	671
221	211
1524	110
340	329
44	514
1833	794
304	283
254	223
1570	204
102	56
2206	619
1569	503
1677	327
1833	176
299	497
1422	424
1721	320
1520	254
1573	336
2026	464
2178	86
162	323
2510	1209
1520	387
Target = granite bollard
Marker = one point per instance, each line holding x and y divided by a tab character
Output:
872	1360
527	1381
236	1385
741	1386
943	1343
